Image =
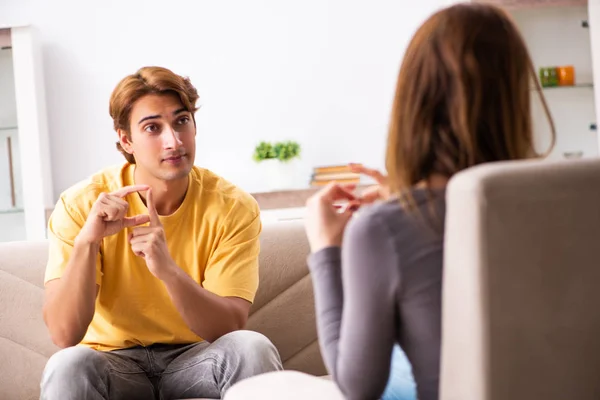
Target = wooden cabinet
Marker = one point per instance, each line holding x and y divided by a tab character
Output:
33	178
516	4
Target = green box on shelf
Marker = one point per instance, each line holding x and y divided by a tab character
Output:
548	76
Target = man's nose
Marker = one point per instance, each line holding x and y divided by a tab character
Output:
171	139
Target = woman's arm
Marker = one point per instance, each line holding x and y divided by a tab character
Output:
355	295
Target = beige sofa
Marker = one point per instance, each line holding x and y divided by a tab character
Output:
283	310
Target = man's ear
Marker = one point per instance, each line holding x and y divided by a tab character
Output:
125	141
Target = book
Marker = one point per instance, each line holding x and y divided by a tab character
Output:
326	182
332	169
337	176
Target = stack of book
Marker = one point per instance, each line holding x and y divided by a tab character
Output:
323	175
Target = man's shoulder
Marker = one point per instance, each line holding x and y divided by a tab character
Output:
82	195
220	192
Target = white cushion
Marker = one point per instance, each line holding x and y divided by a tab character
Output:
288	385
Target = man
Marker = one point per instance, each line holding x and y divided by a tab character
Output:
153	265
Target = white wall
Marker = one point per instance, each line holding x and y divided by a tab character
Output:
320	72
555	37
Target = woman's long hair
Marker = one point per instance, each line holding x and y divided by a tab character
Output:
462	98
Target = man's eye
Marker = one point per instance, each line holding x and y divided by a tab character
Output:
151	128
183	120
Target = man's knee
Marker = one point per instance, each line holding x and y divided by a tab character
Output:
73	361
254	346
250	341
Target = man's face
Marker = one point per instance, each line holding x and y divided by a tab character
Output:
163	136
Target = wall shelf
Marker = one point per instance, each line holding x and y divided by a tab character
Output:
572	87
8	128
576	86
524	4
11	211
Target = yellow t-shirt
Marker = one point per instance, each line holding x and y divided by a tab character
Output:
213	237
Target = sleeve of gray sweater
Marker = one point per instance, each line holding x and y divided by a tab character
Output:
356	295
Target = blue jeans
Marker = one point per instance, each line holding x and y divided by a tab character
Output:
167	371
401	384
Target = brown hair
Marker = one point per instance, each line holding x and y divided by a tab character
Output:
462	98
147	80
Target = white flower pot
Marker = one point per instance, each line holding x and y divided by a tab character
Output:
280	175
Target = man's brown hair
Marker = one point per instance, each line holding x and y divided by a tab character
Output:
147	80
462	97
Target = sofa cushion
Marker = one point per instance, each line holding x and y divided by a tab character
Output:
284	306
24	341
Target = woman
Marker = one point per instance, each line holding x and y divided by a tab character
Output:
462	99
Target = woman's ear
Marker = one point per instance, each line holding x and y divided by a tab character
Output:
125	141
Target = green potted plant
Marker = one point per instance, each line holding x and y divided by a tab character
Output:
277	161
283	151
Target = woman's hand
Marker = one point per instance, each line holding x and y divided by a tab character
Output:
379	191
325	220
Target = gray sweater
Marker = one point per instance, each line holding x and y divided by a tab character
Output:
383	287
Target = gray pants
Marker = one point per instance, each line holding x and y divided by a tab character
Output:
159	371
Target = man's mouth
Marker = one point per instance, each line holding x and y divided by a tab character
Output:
174	158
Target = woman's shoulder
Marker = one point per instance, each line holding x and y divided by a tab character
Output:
375	220
392	215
